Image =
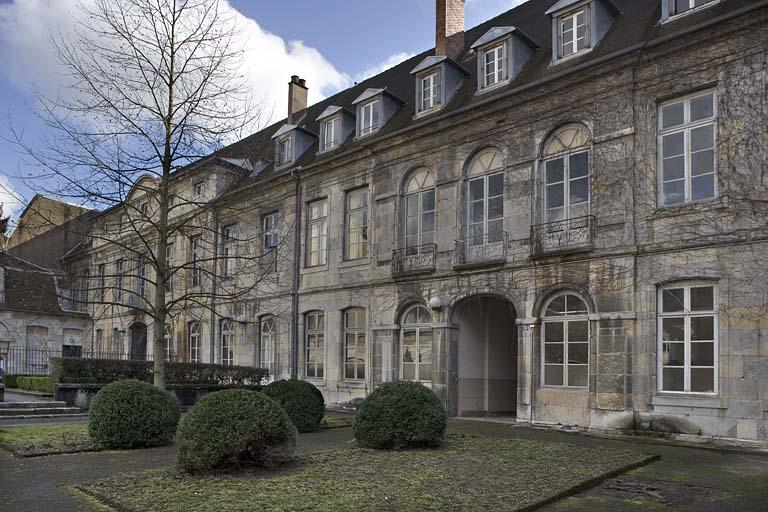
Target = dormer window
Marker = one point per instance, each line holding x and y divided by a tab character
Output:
369	117
494	65
672	8
284	150
573	35
331	133
430	92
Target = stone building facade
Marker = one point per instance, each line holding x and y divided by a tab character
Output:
559	216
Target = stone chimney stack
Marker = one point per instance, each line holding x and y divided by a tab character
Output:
449	34
297	97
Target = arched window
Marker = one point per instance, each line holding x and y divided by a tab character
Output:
267	344
416	345
485	198
419	209
194	342
565	159
314	346
565	342
354	344
168	338
227	342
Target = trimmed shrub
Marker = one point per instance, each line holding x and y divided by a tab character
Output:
11	381
77	370
232	429
34	383
133	414
398	415
302	401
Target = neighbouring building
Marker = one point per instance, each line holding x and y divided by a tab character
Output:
558	215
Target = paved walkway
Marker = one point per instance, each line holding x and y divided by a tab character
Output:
690	479
12	396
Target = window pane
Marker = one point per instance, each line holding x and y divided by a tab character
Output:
703	162
428	201
578	353
703	328
553	332
702	107
674	354
672	115
553	353
556	307
673	145
428	222
703	187
703	138
672	299
555	196
495	185
495	231
674	168
702	380
702	298
477	212
577	331
476	189
409	371
674	192
579	191
553	375
495	208
555	170
673	329
702	354
577	376
673	379
579	165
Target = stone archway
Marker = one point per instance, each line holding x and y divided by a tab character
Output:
138	333
487	356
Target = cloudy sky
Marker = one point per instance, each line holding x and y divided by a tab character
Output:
330	43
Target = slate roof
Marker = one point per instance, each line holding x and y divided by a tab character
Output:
28	287
637	23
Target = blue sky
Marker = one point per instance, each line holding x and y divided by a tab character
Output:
331	43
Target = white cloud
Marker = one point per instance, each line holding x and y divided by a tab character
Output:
9	198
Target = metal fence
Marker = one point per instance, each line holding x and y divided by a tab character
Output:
28	361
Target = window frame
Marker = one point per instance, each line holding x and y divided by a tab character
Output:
566	183
102	276
686	128
228	335
316	334
228	250
170	256
168	341
374	106
194	341
687	314
363	253
503	58
418	327
486	201
669	7
360	335
268	346
322	237
573	14
334	122
435	78
198	189
118	290
195	256
284	150
565	319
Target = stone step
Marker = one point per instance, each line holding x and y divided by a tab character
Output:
31	405
40	411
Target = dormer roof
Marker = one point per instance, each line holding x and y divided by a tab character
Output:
367	94
499	32
328	112
564	4
428	62
284	129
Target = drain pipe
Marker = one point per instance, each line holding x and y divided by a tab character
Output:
295	267
214	284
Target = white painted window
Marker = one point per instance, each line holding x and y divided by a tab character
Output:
270	225
485	209
102	282
119	269
315	345
196	257
565	342
573	32
430	91
681	6
141	278
198	189
354	344
687	333
227	342
168	340
170	253
566	174
416	345
99	343
420	209
267	344
494	67
285	150
331	133
229	250
369	117
356	224
317	244
687	156
194	342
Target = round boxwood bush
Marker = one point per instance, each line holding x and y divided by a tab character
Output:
232	429
133	414
302	401
400	414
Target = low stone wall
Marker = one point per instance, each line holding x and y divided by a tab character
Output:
187	395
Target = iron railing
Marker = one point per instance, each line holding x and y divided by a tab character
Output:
563	235
36	361
414	260
490	248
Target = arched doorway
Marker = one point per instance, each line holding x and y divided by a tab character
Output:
487	362
138	333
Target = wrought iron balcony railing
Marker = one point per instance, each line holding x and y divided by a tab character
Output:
481	249
563	235
414	260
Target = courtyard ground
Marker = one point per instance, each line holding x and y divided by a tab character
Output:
685	479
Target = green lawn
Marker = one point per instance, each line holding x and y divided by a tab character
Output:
469	473
33	440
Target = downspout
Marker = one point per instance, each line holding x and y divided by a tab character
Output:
295	278
214	284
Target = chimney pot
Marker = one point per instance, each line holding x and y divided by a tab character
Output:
297	97
449	33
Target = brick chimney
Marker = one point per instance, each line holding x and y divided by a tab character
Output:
297	97
449	36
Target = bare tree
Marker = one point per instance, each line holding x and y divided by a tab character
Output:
152	87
